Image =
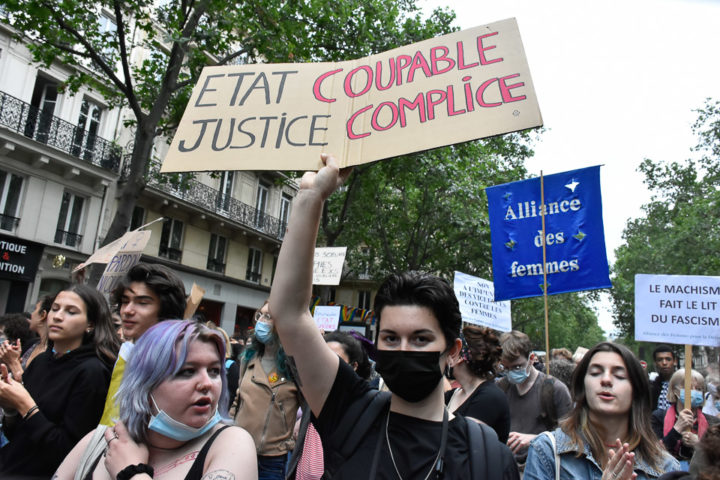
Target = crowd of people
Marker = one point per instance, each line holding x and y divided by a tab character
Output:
176	398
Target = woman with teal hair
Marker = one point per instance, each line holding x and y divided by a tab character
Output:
268	398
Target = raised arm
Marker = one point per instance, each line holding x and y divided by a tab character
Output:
292	287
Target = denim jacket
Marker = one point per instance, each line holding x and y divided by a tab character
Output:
541	461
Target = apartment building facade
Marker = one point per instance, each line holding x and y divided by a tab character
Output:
61	161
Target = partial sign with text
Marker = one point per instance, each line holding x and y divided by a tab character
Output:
683	309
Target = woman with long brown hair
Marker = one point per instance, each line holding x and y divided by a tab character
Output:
607	435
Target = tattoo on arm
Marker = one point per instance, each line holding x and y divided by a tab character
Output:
219	475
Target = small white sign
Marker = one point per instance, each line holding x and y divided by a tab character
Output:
327	318
477	304
682	309
328	265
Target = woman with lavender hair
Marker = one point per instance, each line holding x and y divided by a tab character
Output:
173	414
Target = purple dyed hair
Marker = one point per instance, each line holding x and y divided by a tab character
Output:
158	355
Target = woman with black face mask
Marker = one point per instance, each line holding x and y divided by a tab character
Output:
411	435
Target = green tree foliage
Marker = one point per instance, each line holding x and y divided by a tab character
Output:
178	38
573	323
680	232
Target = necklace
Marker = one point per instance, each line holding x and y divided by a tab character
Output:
437	458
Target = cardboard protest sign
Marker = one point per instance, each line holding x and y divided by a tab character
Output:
477	305
327	318
128	254
328	265
574	235
682	309
462	86
193	301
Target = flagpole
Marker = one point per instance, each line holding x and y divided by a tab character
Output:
544	269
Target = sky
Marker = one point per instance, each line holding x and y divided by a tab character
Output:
617	82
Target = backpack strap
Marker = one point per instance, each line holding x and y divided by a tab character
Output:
547	403
348	436
485	454
551	436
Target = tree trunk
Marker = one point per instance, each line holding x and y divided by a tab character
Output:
128	193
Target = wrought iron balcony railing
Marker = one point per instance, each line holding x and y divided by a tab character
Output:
208	198
215	265
28	120
170	253
8	223
71	239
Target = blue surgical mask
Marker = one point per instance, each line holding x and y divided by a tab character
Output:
517	377
165	425
717	404
696	398
263	332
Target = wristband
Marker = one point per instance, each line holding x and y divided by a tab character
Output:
131	470
30	412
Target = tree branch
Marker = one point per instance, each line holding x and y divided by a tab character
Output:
91	52
227	58
120	25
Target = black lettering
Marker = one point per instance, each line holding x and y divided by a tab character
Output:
181	145
206	89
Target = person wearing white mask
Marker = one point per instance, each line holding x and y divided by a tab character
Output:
536	400
268	398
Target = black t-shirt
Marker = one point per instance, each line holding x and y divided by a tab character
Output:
415	442
489	405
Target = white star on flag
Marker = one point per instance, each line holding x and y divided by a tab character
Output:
572	185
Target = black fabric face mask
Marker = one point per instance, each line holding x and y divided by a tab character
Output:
410	375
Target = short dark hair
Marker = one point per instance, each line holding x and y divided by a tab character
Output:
515	344
164	283
422	290
662	349
354	351
16	327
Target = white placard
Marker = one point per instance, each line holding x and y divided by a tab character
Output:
477	304
328	265
683	309
327	318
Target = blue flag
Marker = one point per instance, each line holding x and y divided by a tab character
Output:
574	235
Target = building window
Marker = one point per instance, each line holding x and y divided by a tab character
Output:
108	27
138	218
86	133
285	202
261	202
68	226
10	188
171	239
40	118
224	198
254	266
216	254
364	299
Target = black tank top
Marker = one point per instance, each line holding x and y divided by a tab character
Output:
196	470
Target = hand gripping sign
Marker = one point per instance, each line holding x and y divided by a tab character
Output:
455	88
